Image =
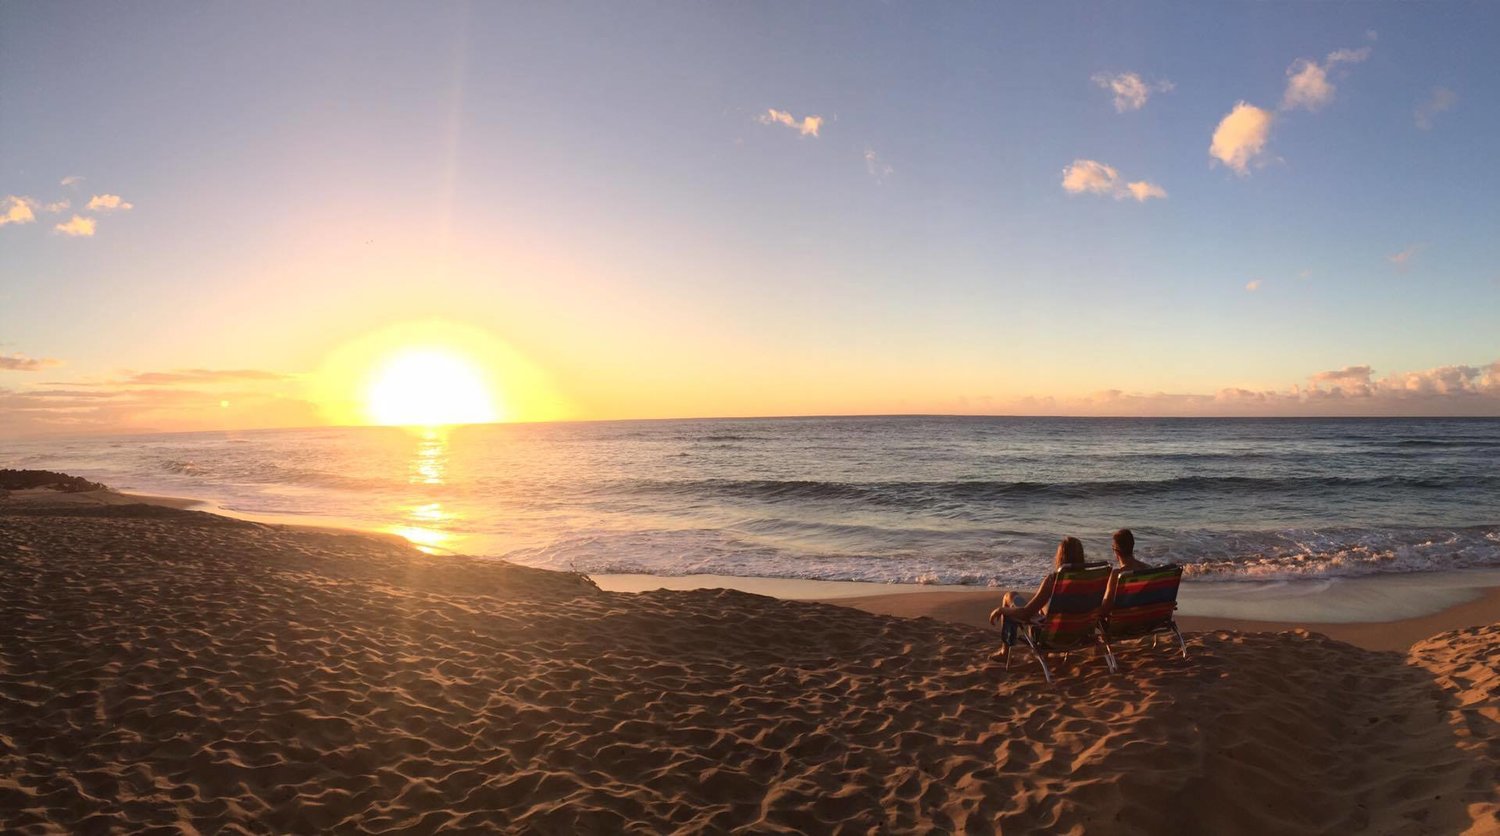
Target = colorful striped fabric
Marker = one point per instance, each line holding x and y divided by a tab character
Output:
1144	602
1073	610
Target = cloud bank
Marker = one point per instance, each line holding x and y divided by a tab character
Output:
1351	391
149	401
22	363
201	376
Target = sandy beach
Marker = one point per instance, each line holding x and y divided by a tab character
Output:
170	669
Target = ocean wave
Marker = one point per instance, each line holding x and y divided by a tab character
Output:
182	468
1298	554
918	494
1292	554
262	472
1437	442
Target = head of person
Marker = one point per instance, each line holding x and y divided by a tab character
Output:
1070	553
1124	545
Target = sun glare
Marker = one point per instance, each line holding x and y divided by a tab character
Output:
427	387
432	373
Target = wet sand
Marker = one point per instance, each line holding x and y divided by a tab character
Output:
973	608
163	668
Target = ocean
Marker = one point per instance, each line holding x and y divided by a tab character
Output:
930	500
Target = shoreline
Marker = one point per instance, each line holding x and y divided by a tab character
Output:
1393	634
1416	605
1346	609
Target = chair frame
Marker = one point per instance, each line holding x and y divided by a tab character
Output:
1167	626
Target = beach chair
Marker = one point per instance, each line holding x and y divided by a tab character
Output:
1070	620
1143	605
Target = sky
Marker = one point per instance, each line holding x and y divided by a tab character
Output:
732	209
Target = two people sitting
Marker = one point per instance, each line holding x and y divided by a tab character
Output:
1069	556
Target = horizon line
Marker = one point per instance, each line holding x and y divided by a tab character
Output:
821	416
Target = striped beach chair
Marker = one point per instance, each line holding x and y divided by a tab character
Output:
1070	620
1143	605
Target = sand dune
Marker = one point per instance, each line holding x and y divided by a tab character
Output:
169	669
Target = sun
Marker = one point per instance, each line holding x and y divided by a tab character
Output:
431	373
429	387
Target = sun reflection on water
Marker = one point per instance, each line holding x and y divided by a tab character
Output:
430	463
427	524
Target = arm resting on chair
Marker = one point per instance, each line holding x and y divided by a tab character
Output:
1024	612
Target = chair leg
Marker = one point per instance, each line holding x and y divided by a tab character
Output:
1039	660
1109	656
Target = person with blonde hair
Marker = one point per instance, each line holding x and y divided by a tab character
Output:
1069	556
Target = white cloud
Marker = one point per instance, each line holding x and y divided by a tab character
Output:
1441	99
1143	191
70	180
1241	136
1403	259
1307	85
878	168
1348	56
77	227
1253	285
54	208
108	202
1090	176
15	209
808	126
1093	177
1130	90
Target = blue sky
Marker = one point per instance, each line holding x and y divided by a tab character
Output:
611	190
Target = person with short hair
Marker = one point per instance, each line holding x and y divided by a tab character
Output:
1124	547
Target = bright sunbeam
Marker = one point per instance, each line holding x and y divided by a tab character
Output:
429	387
